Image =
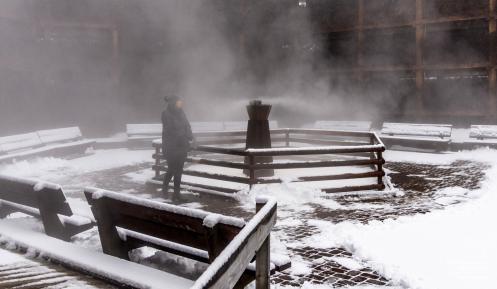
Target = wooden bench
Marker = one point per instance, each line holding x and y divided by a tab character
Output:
54	142
343	125
126	223
140	135
149	131
483	132
421	136
9	144
42	200
207	126
60	135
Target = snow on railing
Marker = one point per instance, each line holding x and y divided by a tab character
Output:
367	152
253	240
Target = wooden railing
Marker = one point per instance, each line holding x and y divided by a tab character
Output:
252	241
225	149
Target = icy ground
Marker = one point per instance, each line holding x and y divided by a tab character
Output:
434	231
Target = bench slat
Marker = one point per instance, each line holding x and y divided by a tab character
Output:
343	125
410	129
19	142
58	135
148	129
483	131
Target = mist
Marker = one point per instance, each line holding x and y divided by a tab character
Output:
101	64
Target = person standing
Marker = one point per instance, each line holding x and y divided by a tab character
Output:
176	137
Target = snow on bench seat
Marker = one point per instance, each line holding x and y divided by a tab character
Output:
145	130
57	150
343	125
482	132
19	142
418	130
417	136
97	264
60	135
206	126
234	125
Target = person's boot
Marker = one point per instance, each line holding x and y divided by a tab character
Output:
177	190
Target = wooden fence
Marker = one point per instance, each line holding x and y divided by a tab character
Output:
225	149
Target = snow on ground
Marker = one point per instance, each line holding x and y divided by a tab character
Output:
52	169
8	258
451	248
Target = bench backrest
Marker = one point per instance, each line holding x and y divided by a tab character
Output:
235	125
34	194
422	130
483	131
204	126
187	227
149	129
60	135
343	125
19	142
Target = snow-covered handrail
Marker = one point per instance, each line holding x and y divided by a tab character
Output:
315	150
253	240
365	145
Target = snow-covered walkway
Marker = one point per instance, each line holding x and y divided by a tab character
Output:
432	232
23	271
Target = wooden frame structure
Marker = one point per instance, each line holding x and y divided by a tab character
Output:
365	149
228	244
422	16
42	200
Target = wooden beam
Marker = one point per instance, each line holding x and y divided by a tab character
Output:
419	58
492	72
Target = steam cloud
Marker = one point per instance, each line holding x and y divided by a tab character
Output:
59	65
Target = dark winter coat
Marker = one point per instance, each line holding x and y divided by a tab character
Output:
176	131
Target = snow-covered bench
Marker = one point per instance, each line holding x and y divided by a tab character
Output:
54	142
483	132
343	125
422	136
60	135
207	126
9	144
126	223
42	200
140	135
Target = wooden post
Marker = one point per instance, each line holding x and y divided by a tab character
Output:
157	161
287	138
420	74
360	40
251	170
213	243
262	265
492	70
109	237
380	168
48	214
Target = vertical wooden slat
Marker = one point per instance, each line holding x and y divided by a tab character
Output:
360	33
252	180
157	161
492	73
419	58
109	237
262	265
380	168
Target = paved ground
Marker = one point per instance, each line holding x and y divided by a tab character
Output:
417	182
35	273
